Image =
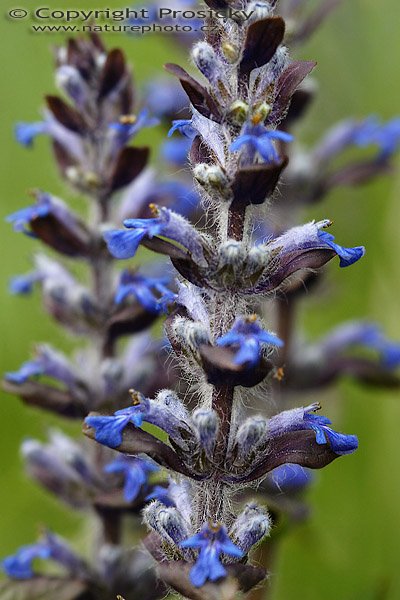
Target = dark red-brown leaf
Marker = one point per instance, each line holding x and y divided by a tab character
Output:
286	85
252	185
130	164
47	397
297	447
219	366
262	40
136	441
113	71
66	115
197	94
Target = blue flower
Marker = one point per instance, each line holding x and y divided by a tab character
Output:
365	334
129	125
348	256
259	139
124	244
212	542
19	565
108	429
250	339
23	284
161	494
47	362
340	443
25	133
386	136
135	472
184	126
26	371
304	418
150	292
20	218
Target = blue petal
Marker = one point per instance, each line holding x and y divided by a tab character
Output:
266	149
230	548
161	494
23	284
108	430
25	133
241	141
184	126
291	477
281	135
341	443
27	370
19	565
215	568
198	574
124	244
347	256
249	351
195	541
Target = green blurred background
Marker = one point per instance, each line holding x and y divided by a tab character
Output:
349	550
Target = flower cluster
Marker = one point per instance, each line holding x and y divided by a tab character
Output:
228	293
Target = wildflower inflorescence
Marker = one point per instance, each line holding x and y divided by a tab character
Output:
209	419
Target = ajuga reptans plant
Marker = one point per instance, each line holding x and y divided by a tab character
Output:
222	422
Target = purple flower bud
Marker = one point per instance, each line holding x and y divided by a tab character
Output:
250	435
206	423
19	566
72	83
47	362
167	522
250	527
207	61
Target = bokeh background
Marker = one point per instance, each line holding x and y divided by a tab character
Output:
350	548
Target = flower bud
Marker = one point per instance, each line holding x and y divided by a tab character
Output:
257	259
238	112
259	10
191	333
167	522
230	51
250	435
232	254
206	60
206	422
250	527
70	81
213	179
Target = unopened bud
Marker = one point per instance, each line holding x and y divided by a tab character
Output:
70	81
232	253
206	60
167	522
250	527
191	333
250	435
213	179
230	51
206	422
238	112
